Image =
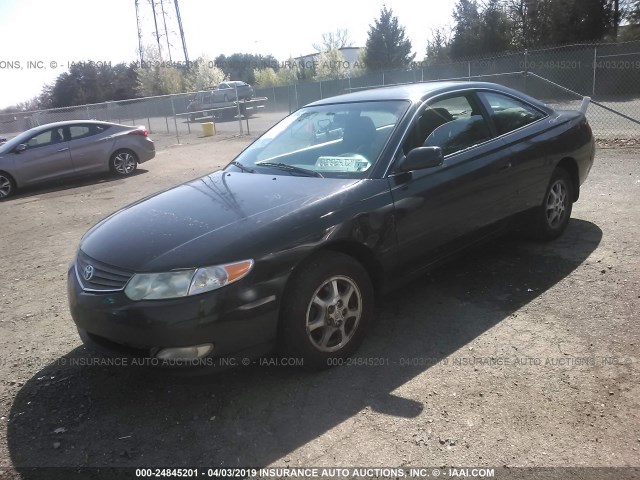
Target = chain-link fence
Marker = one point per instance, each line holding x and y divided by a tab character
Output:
609	73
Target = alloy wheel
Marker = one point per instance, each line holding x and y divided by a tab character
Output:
334	313
5	186
124	163
556	203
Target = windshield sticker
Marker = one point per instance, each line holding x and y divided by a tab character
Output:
353	163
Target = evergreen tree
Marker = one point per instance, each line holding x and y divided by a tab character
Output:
387	47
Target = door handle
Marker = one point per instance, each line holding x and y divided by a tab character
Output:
505	166
63	149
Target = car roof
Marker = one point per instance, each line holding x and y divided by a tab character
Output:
418	92
66	123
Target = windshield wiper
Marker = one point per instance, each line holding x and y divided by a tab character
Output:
291	168
243	167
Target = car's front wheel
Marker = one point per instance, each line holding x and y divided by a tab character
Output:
326	310
551	218
123	162
7	185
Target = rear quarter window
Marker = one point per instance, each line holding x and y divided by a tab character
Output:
508	113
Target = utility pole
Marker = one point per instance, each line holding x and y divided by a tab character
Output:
166	32
139	33
155	20
184	43
616	18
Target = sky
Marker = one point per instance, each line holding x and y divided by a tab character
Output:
38	38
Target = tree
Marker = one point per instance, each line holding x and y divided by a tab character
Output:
157	78
495	28
240	66
387	47
538	23
88	82
331	66
333	41
466	33
266	77
632	16
203	74
438	47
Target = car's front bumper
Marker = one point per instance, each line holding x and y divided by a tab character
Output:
234	319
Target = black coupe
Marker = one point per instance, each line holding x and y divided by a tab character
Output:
290	244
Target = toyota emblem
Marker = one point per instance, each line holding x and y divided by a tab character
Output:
88	272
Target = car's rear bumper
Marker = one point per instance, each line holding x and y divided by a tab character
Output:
119	326
147	151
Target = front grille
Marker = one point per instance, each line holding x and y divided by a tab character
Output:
105	277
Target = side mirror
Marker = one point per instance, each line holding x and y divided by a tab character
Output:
421	157
20	148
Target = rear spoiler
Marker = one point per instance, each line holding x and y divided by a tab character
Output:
584	105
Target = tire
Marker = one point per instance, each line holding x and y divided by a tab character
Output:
550	219
123	163
7	185
331	293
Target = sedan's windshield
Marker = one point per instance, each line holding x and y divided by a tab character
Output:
341	140
13	142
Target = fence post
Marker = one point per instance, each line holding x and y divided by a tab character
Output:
175	122
295	88
88	117
469	69
595	63
239	112
274	97
320	86
526	68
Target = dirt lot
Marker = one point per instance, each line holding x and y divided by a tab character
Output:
553	330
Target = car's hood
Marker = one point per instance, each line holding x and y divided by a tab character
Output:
215	219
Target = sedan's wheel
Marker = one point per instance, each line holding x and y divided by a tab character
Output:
124	162
551	219
7	185
334	314
326	310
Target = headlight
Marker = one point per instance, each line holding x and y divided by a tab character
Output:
181	283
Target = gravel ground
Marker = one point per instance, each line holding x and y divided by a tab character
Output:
516	354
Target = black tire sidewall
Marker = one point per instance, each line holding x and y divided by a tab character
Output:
293	338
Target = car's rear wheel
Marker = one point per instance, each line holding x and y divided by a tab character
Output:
326	310
123	162
7	185
551	218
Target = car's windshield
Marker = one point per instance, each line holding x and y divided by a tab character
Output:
340	140
13	142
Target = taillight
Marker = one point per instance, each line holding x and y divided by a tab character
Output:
139	131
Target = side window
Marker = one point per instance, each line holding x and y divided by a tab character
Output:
508	113
77	132
452	124
48	137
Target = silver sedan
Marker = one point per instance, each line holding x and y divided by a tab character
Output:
71	148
